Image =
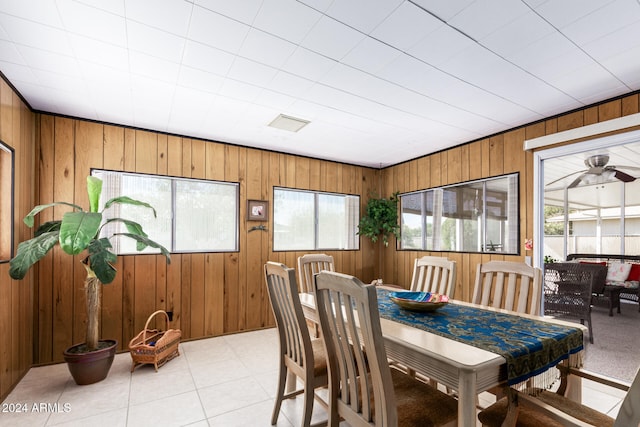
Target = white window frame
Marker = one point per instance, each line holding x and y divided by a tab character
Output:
351	237
173	217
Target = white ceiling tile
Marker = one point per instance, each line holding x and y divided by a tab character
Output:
244	11
371	55
625	66
363	15
251	72
308	64
112	6
167	15
444	10
200	80
484	17
406	26
562	13
517	34
18	74
276	100
152	67
414	80
578	81
9	53
439	46
319	5
151	41
105	78
615	43
331	39
45	60
58	81
88	21
151	92
539	57
35	35
93	50
216	30
207	58
38	11
266	49
239	91
293	25
289	84
614	16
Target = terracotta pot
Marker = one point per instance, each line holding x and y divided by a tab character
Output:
90	367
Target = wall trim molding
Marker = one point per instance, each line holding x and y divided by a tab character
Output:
612	125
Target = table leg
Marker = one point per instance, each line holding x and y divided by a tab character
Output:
467	399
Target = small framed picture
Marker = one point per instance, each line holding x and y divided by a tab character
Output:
257	210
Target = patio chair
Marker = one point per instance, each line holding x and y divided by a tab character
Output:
434	274
568	288
299	354
510	285
364	390
549	409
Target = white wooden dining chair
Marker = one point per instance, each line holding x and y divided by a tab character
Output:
299	353
310	264
513	286
434	274
553	409
363	389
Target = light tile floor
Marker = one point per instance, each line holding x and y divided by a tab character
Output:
222	381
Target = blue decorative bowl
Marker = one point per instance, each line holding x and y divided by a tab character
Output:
418	301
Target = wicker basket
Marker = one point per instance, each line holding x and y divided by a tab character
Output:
154	346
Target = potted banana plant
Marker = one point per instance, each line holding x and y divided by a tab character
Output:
78	232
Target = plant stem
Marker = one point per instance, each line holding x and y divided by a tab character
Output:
93	294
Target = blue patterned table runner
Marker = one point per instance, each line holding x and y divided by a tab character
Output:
529	346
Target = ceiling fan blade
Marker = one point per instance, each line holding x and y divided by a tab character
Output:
577	181
564	177
623	176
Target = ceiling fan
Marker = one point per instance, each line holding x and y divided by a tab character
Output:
597	166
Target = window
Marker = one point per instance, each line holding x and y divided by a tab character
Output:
192	215
308	220
6	202
476	216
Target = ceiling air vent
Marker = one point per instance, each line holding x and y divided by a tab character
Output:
292	124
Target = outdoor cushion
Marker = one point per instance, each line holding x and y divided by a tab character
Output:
634	274
618	271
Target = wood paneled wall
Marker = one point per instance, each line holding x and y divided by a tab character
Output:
496	155
209	293
16	298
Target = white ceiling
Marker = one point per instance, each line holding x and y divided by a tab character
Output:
381	81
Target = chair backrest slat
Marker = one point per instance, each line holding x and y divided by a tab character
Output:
311	264
513	286
434	274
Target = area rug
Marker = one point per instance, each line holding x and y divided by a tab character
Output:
615	351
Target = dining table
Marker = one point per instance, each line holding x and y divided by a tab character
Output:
465	347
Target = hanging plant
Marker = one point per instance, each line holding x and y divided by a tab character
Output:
381	219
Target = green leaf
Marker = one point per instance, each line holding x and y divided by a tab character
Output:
147	242
30	216
125	200
30	252
101	259
48	226
77	231
132	226
94	189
